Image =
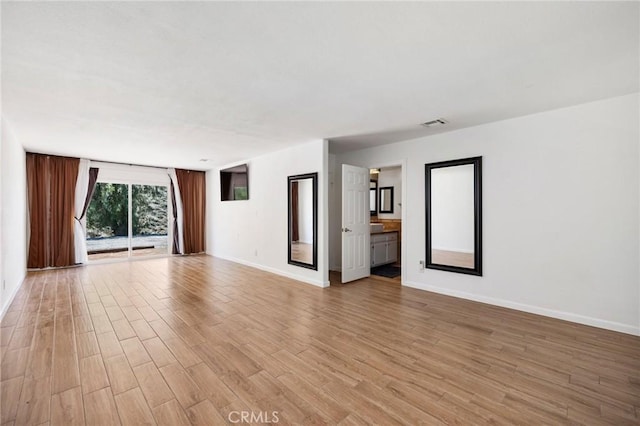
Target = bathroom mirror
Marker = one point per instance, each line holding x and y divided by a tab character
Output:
454	215
303	220
386	199
373	197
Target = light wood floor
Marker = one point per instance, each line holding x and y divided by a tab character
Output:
452	258
195	339
124	254
302	252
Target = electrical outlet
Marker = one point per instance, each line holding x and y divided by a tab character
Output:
422	266
255	252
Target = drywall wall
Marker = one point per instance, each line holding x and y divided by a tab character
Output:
391	176
254	232
3	131
560	211
13	215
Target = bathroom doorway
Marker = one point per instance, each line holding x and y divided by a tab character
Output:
386	210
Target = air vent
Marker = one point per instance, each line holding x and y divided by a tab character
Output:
434	123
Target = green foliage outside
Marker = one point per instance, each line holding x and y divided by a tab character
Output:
108	210
240	193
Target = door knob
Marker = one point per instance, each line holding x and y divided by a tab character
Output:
346	230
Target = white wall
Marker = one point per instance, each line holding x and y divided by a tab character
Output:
13	213
452	219
560	211
391	176
254	232
305	211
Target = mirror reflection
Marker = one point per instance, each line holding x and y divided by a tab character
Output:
453	216
303	223
373	197
386	199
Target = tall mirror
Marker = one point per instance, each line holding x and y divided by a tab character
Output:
454	215
303	220
386	199
373	197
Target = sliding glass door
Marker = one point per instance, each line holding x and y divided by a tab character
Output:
150	220
108	222
126	219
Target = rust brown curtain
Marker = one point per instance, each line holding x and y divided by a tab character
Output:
192	185
295	232
175	244
51	183
93	179
38	197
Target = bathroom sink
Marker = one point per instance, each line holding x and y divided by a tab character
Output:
376	227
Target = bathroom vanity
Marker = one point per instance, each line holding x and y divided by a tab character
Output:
384	247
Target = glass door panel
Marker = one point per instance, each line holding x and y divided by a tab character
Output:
149	220
108	222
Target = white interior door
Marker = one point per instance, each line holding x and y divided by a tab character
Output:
355	223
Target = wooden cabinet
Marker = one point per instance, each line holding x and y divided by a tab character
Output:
384	248
379	253
392	250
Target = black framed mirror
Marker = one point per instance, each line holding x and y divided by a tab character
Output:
303	220
386	199
373	197
234	183
453	194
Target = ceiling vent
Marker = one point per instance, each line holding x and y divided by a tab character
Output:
434	123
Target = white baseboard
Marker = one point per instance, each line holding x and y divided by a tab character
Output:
317	283
567	316
12	296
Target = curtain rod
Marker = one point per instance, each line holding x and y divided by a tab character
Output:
110	162
128	164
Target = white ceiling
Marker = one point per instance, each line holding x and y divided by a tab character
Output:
169	83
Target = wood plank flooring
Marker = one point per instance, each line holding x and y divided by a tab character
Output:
302	252
198	340
453	258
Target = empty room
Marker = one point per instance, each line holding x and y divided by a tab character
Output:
340	213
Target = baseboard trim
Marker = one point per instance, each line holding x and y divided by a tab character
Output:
567	316
317	283
12	296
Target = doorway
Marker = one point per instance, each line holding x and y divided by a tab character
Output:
382	249
386	222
